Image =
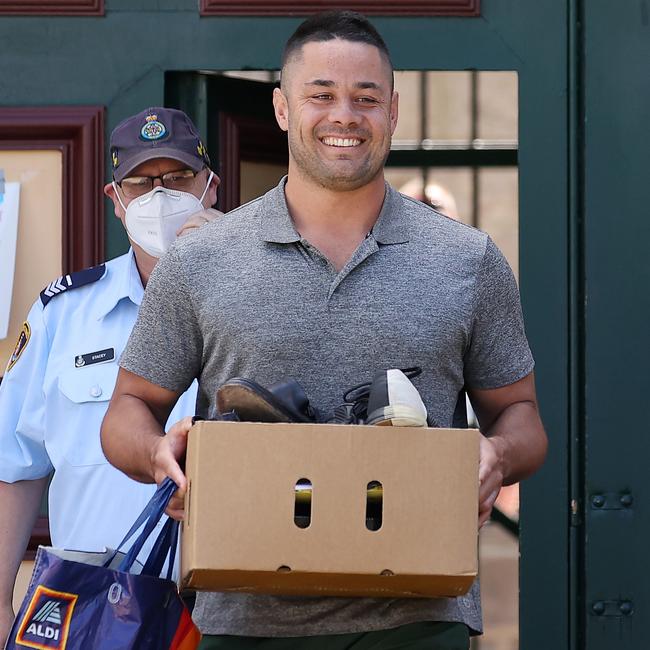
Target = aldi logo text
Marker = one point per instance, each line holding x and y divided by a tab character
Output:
46	622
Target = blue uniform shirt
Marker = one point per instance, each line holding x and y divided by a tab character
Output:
54	397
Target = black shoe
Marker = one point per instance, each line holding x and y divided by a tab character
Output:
390	399
229	416
284	402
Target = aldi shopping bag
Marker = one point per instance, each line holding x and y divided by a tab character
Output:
100	601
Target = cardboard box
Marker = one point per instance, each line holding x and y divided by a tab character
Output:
244	518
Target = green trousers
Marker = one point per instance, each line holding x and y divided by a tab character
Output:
417	636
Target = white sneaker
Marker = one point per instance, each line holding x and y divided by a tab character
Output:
394	400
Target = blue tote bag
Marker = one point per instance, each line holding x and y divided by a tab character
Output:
104	601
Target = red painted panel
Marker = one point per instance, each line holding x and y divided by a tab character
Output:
52	8
369	7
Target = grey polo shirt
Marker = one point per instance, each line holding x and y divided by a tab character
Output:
247	296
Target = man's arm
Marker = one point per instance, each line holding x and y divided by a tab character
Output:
133	435
514	443
19	505
160	361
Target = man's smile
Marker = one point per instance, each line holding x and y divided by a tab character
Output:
341	142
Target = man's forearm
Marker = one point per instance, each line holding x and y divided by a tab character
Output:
130	432
519	440
19	506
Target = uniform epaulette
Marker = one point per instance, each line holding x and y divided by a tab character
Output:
72	281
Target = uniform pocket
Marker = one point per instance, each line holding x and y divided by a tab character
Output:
86	393
90	384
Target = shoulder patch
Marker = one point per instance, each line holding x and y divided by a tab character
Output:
21	344
72	281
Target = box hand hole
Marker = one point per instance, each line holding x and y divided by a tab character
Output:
302	508
374	505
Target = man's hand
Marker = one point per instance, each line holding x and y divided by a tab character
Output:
490	478
199	219
165	457
513	445
6	620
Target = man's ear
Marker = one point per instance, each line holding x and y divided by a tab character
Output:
211	194
394	111
281	107
111	193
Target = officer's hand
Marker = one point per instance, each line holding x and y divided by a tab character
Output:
490	478
6	620
165	457
199	219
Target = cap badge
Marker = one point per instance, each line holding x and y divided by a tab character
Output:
153	129
115	159
201	150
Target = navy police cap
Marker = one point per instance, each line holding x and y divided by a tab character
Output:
156	132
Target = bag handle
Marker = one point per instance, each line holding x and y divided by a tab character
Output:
165	545
156	509
150	517
162	496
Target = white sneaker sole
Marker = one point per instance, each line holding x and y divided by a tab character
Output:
397	416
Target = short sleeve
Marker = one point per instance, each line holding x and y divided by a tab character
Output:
23	455
498	353
165	346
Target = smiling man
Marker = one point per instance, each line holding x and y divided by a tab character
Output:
327	278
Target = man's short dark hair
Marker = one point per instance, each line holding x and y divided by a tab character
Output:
330	25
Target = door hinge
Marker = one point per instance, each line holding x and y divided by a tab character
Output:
576	514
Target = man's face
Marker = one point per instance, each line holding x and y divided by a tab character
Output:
340	112
159	167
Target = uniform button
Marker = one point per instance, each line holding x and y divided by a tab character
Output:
95	391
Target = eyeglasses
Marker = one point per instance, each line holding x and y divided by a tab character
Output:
134	186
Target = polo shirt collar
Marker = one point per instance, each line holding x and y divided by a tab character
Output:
391	227
277	226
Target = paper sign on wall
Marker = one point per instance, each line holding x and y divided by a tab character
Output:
9	200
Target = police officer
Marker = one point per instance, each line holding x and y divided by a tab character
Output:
61	374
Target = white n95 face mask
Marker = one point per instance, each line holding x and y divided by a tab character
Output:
153	219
